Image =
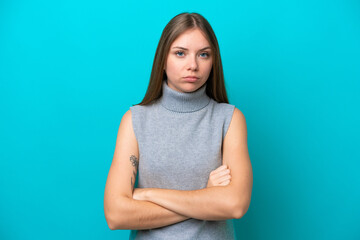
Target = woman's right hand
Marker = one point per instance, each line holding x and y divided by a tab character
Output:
219	177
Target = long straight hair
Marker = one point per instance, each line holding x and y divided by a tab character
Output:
182	22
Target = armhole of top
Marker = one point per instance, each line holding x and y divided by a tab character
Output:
229	112
134	122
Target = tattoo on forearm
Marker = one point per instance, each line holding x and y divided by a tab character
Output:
135	162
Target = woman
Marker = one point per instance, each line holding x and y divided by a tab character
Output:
183	140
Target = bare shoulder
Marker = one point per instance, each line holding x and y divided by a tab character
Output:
238	115
126	118
238	120
126	126
237	129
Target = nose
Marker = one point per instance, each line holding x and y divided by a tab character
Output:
192	63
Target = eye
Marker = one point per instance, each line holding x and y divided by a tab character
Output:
205	54
179	52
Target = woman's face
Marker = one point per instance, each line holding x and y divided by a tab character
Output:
189	56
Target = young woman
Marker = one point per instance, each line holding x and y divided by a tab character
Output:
182	141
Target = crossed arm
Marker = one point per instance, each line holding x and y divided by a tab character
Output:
153	207
216	203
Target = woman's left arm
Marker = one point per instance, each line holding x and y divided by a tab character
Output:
219	202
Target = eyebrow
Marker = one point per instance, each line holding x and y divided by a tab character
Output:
188	49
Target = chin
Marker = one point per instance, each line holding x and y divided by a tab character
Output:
196	86
190	87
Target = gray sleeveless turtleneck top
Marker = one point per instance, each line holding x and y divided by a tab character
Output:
180	139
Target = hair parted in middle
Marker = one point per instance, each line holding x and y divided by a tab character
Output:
182	22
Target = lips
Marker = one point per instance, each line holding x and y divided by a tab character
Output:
191	78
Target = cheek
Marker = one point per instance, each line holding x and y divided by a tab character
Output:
208	67
172	66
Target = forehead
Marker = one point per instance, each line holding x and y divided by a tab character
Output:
191	39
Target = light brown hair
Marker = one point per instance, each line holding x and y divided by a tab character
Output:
182	22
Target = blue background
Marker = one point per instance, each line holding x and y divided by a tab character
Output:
69	70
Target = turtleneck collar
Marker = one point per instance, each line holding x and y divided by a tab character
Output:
183	102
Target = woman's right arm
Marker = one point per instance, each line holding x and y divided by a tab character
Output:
121	210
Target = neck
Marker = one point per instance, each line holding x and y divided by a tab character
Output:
183	102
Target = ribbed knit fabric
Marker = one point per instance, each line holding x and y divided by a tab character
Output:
180	140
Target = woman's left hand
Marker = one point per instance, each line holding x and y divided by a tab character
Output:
139	194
